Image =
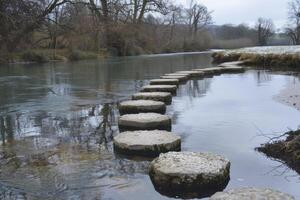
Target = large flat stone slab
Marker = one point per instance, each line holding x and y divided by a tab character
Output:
251	194
192	73
144	121
160	88
211	70
164	82
180	77
146	143
142	106
233	69
165	97
181	173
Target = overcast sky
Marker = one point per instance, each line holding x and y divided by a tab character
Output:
246	11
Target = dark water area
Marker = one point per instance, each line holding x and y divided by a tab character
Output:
57	122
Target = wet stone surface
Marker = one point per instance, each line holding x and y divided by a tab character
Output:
160	88
165	97
211	70
192	73
146	143
251	194
189	173
144	121
180	77
142	106
233	69
164	82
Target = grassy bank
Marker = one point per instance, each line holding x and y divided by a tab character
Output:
287	150
48	55
277	56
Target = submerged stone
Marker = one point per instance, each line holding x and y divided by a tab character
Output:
252	194
183	173
160	88
146	143
164	82
142	106
144	121
165	97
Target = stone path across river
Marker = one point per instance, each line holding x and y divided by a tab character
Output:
184	174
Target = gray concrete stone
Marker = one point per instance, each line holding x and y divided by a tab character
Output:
165	97
251	194
192	73
233	69
142	106
160	88
164	82
146	143
144	121
180	77
211	70
189	172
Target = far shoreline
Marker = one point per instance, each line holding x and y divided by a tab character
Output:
42	57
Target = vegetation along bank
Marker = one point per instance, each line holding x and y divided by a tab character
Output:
268	56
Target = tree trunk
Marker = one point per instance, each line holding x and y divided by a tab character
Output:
142	12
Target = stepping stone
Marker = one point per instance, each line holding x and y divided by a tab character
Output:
211	70
146	143
192	73
160	88
180	77
165	97
164	82
142	106
233	69
144	121
180	173
251	194
178	74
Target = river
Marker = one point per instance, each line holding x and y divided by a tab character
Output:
57	122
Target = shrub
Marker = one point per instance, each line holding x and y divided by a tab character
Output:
32	56
80	55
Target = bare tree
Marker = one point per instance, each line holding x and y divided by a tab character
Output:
265	29
198	17
293	29
22	17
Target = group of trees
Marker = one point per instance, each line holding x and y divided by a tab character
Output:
125	27
266	29
122	26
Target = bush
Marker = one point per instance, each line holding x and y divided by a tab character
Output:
32	56
80	55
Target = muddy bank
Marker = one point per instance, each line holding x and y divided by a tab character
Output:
286	148
290	95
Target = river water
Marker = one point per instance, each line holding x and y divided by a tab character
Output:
57	122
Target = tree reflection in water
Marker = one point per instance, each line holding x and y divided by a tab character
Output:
38	145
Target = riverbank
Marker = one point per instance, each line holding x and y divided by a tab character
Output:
290	95
269	57
50	55
285	148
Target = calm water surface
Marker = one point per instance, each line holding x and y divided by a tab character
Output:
57	122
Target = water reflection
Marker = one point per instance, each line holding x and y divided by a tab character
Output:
70	153
57	123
